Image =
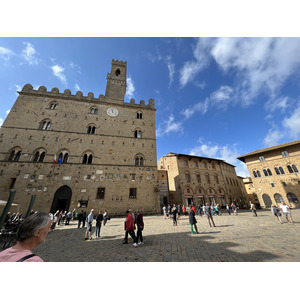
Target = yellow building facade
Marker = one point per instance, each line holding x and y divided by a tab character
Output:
197	180
275	173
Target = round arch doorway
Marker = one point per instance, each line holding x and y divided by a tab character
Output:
62	199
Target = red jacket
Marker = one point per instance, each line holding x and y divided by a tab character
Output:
129	222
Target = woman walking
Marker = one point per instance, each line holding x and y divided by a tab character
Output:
192	220
276	212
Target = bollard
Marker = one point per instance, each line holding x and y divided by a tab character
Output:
30	205
7	207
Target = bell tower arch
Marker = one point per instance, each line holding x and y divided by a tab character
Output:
116	81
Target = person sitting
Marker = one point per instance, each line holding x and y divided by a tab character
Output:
32	231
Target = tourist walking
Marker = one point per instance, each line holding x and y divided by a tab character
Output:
129	228
178	212
140	227
253	209
32	231
192	220
228	209
184	210
83	219
99	219
276	212
287	212
234	208
217	210
80	217
90	218
199	210
208	213
174	213
165	212
105	217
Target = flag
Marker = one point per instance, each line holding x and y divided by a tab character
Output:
60	160
54	159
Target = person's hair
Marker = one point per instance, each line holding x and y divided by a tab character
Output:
31	225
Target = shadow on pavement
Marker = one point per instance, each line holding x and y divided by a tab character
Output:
69	246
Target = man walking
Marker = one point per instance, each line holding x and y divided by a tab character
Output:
129	227
99	220
88	233
287	212
207	211
253	208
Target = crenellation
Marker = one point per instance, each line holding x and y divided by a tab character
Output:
55	91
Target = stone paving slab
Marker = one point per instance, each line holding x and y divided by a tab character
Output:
241	238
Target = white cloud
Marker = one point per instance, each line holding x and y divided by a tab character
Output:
219	99
171	68
259	64
169	126
130	88
280	103
1	121
6	53
58	72
228	153
77	88
273	137
29	54
7	112
292	123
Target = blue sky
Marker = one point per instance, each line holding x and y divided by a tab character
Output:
215	97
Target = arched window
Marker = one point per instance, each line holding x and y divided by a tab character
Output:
258	173
118	72
292	198
66	156
295	168
290	169
17	157
11	156
139	160
87	158
277	171
254	173
84	161
91	129
45	125
94	110
138	134
139	115
36	156
281	170
269	172
42	156
278	198
265	172
53	105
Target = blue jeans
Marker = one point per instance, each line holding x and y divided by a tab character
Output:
131	234
98	228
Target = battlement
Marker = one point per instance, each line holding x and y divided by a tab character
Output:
67	95
119	62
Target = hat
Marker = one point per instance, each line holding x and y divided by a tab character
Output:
127	211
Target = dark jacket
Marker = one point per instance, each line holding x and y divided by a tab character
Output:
99	218
192	218
139	221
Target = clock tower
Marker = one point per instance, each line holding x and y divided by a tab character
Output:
116	81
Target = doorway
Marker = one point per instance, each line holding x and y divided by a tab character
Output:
62	199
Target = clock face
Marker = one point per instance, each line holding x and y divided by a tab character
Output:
112	111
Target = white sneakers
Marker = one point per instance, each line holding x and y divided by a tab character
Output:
134	244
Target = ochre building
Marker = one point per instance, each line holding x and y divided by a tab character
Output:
82	152
199	180
275	173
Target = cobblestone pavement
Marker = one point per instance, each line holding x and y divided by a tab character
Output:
241	238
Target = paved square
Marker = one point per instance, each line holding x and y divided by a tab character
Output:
241	238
